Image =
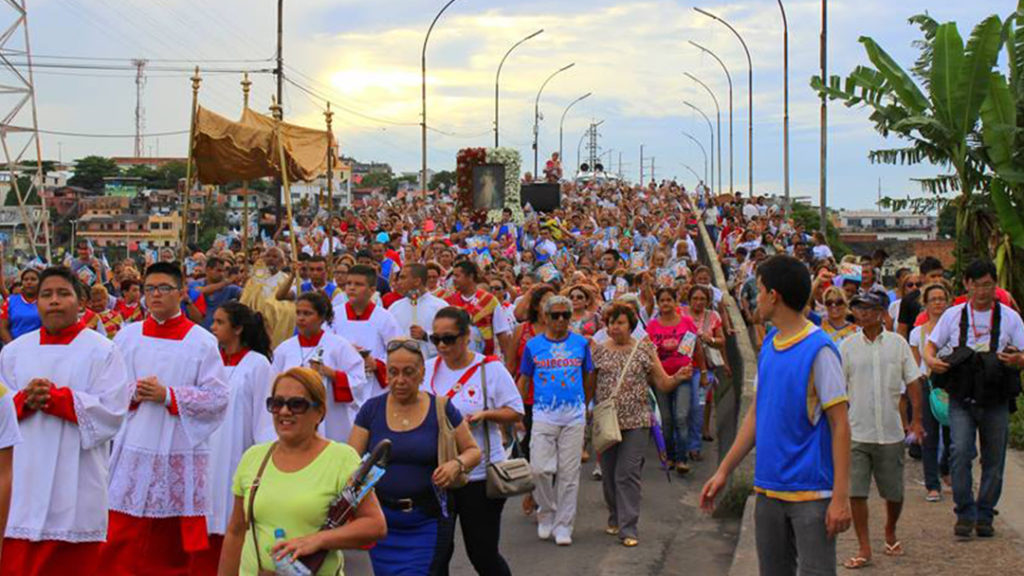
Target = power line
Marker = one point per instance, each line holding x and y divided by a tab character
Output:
166	60
25	65
319	96
132	135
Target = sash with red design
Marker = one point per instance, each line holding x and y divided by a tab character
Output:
462	380
481	313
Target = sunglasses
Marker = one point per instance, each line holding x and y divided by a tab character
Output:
834	303
446	339
295	404
407	344
560	315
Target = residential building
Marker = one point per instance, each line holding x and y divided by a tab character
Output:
873	225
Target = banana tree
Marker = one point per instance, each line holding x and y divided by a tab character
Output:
937	115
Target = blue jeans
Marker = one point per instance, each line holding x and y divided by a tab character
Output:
696	421
676	408
967	423
936	447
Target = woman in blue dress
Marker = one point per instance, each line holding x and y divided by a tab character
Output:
413	492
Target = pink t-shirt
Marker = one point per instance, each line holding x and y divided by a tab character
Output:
667	339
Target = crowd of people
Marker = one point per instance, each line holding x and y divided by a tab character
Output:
199	415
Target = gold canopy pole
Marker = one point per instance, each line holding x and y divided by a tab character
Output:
275	108
246	86
329	117
189	172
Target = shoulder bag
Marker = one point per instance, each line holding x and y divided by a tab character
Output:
252	519
606	432
447	447
510	477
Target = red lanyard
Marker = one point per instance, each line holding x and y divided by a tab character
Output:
458	385
974	327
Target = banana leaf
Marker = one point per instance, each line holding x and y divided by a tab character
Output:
1010	220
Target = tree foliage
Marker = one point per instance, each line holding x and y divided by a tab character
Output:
90	172
956	111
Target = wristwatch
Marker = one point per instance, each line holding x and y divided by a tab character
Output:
462	467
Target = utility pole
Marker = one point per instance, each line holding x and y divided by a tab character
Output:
653	177
641	164
620	164
824	116
592	148
140	119
279	73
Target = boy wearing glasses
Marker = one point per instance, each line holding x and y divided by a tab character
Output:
160	463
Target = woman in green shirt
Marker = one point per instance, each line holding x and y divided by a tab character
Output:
301	479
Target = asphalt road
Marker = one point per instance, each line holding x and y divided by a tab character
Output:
675	537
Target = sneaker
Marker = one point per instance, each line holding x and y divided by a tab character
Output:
682	468
985	530
963	528
563	539
544	531
596	474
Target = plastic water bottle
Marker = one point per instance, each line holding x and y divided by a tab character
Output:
286	566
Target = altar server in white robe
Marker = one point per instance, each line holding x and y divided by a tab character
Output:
333	356
245	350
160	468
367	325
71	396
416	311
9	436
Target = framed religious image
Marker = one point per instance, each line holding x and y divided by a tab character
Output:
488	186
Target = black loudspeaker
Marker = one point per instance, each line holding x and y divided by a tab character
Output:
584	167
598	167
542	197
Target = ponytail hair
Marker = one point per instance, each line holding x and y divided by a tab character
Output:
254	334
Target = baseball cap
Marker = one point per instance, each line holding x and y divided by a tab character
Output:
870	299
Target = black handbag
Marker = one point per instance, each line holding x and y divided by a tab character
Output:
980	378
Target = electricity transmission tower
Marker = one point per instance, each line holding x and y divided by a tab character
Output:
140	111
19	124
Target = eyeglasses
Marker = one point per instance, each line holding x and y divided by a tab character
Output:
560	315
497	288
164	289
834	303
407	344
912	285
295	404
578	297
446	339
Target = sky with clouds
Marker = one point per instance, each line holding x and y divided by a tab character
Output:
365	57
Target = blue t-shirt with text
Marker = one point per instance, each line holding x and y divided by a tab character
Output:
557	368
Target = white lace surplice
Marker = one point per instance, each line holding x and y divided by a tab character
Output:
160	464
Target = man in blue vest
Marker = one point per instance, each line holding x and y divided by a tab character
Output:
798	421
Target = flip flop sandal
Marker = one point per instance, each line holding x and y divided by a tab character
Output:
856	563
612	530
630	542
894	549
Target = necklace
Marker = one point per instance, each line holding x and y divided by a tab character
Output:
403	419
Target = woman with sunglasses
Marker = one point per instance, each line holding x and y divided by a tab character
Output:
936	298
245	350
465	377
331	356
302	473
837	315
414	492
585	319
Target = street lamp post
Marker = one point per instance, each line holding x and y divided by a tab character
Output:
702	151
561	124
823	192
687	166
729	78
536	114
750	101
423	95
718	122
711	133
497	78
785	100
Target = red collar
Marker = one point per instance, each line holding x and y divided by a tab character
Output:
174	329
233	359
311	341
350	312
63	337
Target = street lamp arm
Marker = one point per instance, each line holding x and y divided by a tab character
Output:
706	119
717	59
733	30
431	29
699	145
573	103
514	46
544	85
705	86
